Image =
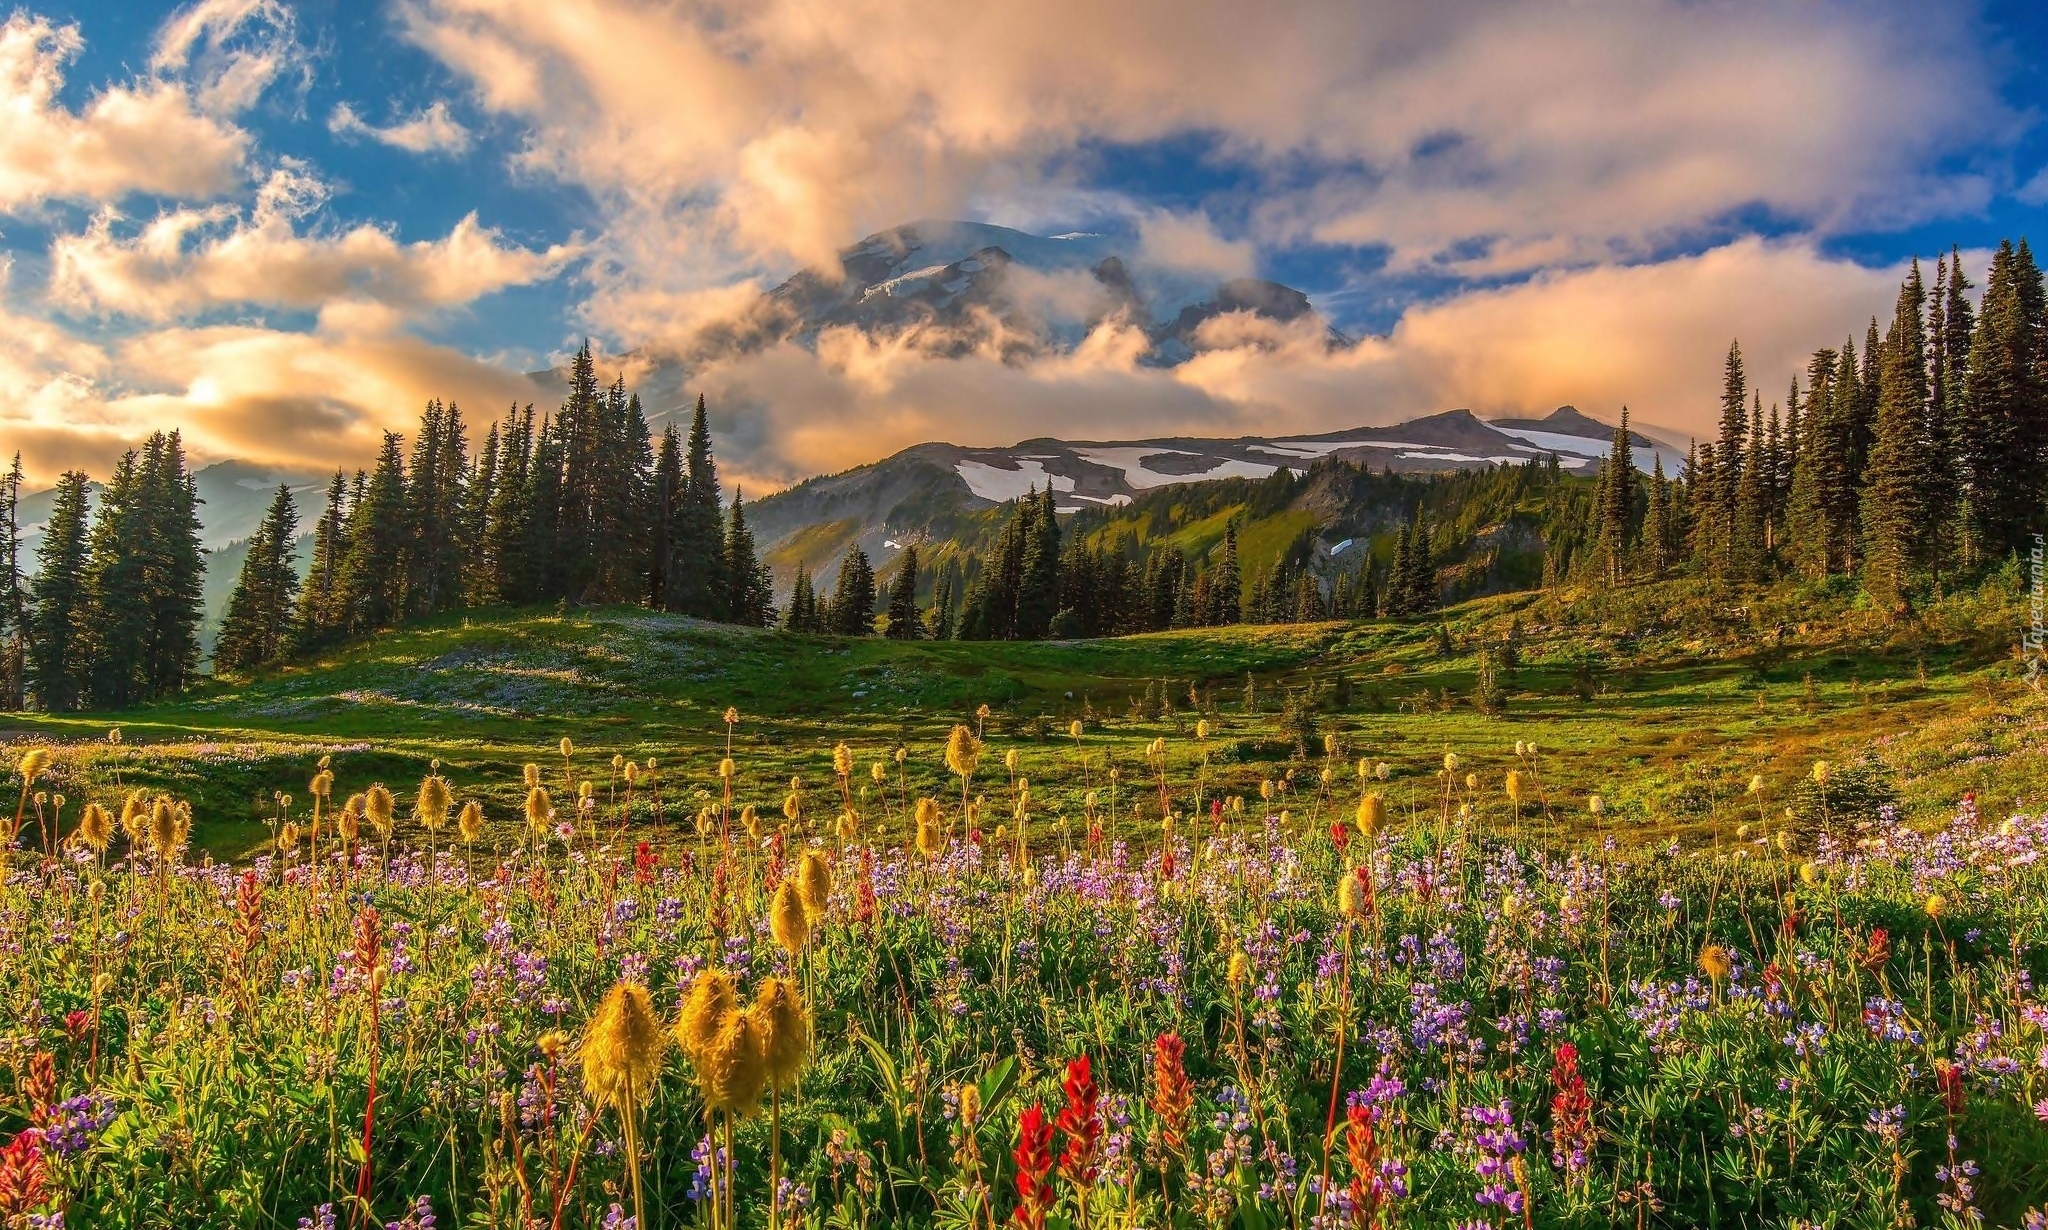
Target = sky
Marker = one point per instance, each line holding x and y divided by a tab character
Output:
281	227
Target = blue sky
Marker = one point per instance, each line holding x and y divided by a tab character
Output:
283	224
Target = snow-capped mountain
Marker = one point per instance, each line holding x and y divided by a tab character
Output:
921	490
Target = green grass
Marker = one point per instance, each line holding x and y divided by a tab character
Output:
1663	698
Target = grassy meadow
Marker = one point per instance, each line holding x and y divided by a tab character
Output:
1721	917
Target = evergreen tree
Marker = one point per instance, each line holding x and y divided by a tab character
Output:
479	495
1038	582
2005	469
262	609
508	578
57	666
14	598
1616	494
1746	543
380	527
436	549
802	615
1730	458
116	622
1658	517
174	566
320	614
696	583
904	624
1897	481
1226	588
664	496
750	598
853	597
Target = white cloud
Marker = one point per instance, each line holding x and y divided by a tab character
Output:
431	131
233	50
147	137
1489	137
191	260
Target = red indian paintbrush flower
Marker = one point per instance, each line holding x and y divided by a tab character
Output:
1033	1156
21	1175
1080	1122
1362	1150
1172	1098
1571	1110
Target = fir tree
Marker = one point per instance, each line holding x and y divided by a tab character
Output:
904	624
696	582
1038	582
320	614
1616	494
57	665
2005	470
116	622
1897	482
262	610
174	566
14	597
750	596
802	615
853	597
665	493
1746	543
380	527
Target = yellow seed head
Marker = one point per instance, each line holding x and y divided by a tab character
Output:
785	1028
568	748
163	828
1716	962
750	820
734	1068
540	809
1074	728
469	822
1594	805
622	1047
849	825
1450	762
1936	906
1372	812
350	822
1240	970
814	883
33	762
712	998
931	839
532	776
970	1104
377	808
135	817
433	803
842	761
1756	784
322	785
963	751
1514	786
879	771
95	828
787	921
1821	772
1350	897
732	716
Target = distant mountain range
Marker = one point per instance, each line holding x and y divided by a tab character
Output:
917	493
951	287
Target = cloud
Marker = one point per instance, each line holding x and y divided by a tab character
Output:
191	260
432	131
1650	336
1492	137
148	137
234	50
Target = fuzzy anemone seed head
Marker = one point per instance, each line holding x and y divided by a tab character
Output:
927	811
135	816
792	806
377	808
785	1028
734	1068
712	998
1595	805
1350	897
931	839
1756	784
1266	789
1010	760
1514	786
787	921
163	828
963	752
568	748
322	785
1240	971
1372	812
814	883
95	828
842	761
1821	772
350	822
879	771
469	822
1936	906
434	802
540	808
849	825
1450	762
622	1047
532	772
1716	962
33	762
1074	728
732	716
288	838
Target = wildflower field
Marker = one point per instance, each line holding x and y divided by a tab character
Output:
941	963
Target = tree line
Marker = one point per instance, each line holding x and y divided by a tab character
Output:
578	507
